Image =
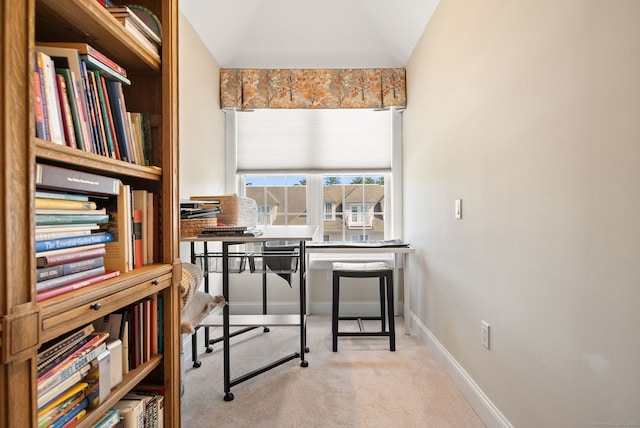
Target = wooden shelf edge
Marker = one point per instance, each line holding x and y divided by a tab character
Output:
93	162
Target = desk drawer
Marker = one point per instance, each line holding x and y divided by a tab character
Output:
83	314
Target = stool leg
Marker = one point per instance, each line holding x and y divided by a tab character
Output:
392	330
382	303
335	311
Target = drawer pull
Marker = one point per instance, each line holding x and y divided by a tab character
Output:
96	306
155	282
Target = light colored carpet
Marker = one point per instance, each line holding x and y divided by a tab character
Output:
362	385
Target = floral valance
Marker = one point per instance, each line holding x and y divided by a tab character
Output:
247	89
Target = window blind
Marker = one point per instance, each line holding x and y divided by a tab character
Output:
313	140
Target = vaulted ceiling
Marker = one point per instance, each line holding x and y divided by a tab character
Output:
309	33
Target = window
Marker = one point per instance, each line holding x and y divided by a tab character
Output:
333	168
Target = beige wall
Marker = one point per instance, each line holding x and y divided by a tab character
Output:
529	111
202	147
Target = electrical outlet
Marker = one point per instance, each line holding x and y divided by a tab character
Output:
485	334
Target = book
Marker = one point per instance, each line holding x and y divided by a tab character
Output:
140	200
150	406
112	126
68	268
120	253
86	49
72	101
51	99
57	291
92	90
122	13
63	354
99	379
76	413
53	348
48	284
110	419
58	178
69	211
69	255
65	112
103	69
138	33
44	194
104	115
131	412
68	58
62	219
120	122
137	239
56	203
60	405
46	398
73	241
38	106
51	235
95	346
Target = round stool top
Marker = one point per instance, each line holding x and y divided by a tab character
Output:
361	267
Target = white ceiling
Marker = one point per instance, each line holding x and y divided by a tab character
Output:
309	33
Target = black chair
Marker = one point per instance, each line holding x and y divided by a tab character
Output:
378	270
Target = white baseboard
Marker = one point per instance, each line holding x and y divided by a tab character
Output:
477	399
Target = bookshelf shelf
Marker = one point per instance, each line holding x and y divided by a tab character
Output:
59	154
27	324
87	21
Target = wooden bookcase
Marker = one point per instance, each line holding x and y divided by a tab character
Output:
24	324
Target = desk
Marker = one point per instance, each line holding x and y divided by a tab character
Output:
299	234
398	252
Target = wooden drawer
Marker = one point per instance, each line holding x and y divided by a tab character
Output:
81	310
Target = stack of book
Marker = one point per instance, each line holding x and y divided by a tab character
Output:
65	387
141	22
70	246
79	102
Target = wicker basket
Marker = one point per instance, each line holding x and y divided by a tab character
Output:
193	227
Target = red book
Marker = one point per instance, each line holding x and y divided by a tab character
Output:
53	292
137	239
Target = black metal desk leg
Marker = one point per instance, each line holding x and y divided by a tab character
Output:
303	306
225	322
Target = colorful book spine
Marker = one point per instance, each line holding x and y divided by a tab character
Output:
38	106
53	292
68	268
109	420
90	350
74	254
44	194
137	239
73	241
65	112
76	413
46	398
53	349
59	406
96	65
60	219
50	203
63	354
74	108
51	99
39	63
68	279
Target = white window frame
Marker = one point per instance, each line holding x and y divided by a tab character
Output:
315	209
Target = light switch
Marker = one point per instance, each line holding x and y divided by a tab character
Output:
458	208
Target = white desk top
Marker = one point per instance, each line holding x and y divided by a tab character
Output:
270	233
